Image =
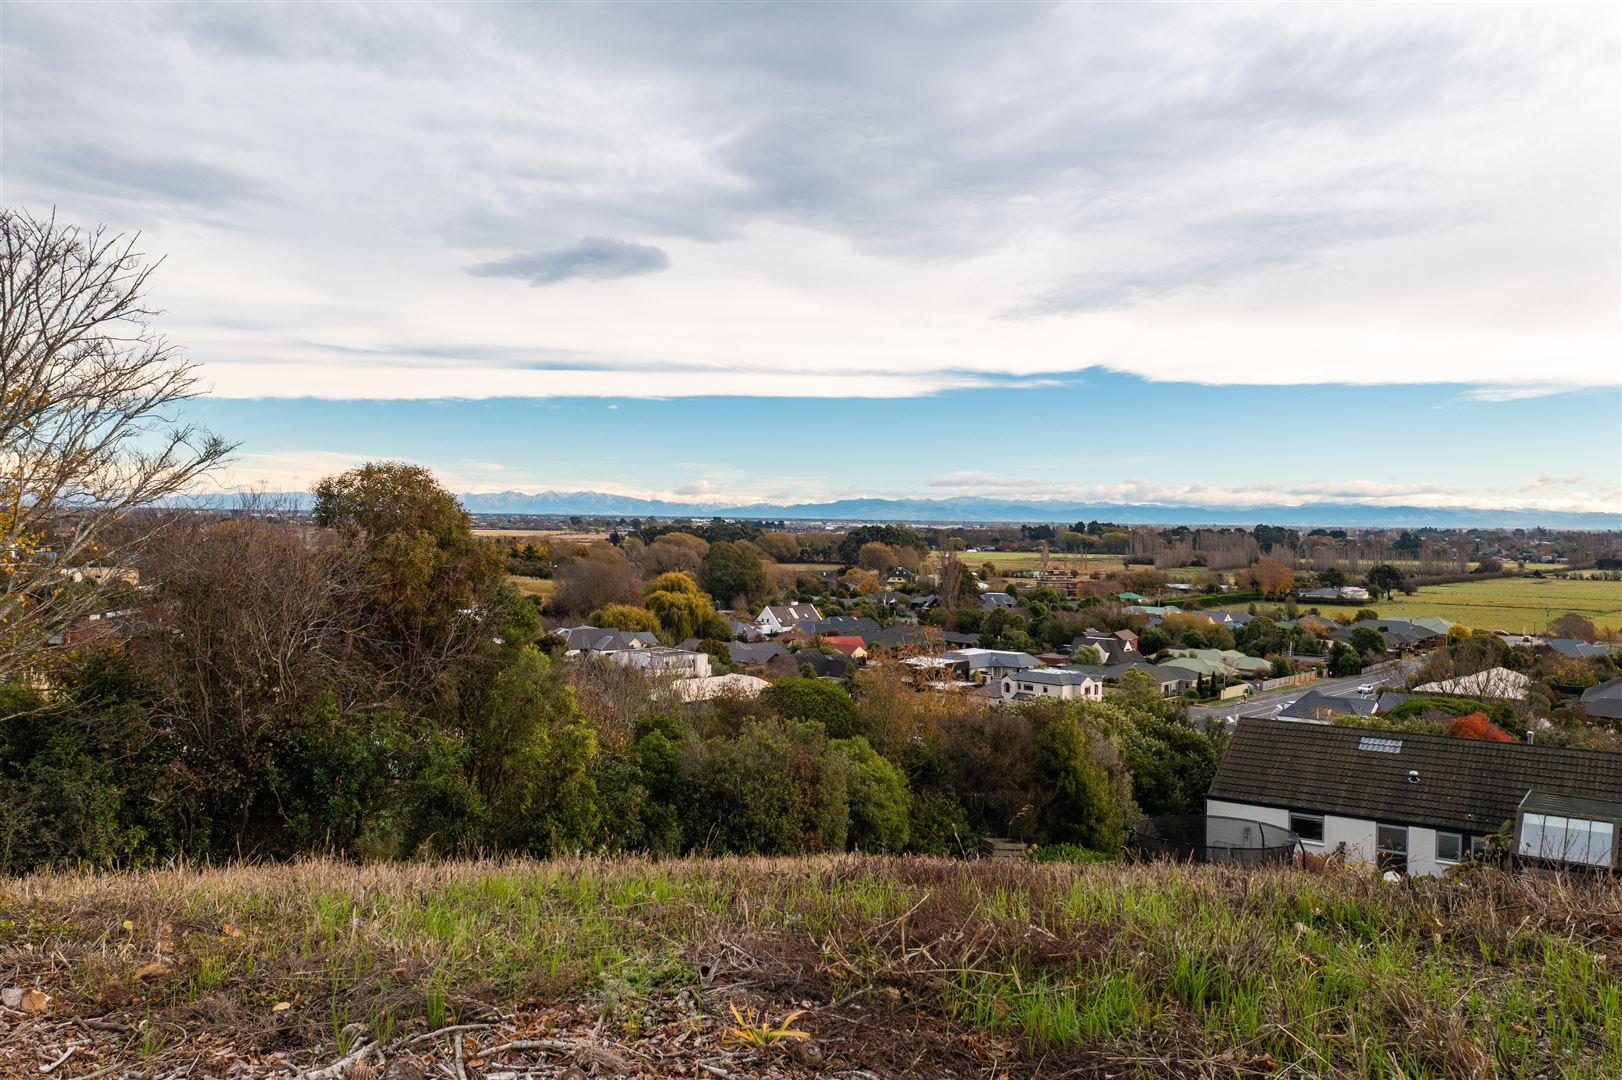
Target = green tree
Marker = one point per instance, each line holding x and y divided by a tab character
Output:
1079	804
430	580
774	790
1368	641
532	754
878	798
824	703
1386	579
732	570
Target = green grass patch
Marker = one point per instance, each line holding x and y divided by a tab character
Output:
1320	974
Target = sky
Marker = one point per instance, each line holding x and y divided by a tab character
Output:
1224	254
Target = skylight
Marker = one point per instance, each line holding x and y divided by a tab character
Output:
1380	746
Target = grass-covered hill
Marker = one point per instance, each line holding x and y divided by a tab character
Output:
896	967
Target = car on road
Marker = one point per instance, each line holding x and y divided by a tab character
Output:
1366	689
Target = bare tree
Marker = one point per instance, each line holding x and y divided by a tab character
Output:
87	434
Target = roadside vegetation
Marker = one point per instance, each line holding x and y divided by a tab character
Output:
902	967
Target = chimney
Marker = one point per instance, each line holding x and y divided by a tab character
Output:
1528	736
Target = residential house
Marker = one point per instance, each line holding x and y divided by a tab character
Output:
663	660
1317	707
894	637
1579	650
1049	683
1112	648
1170	681
924	603
1340	594
993	601
1227	662
848	644
1415	803
1229	620
839	624
1603	702
899	575
1498	684
991	664
1388	700
754	652
1398	635
598	639
822	665
777	619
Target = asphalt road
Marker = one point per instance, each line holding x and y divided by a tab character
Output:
1273	702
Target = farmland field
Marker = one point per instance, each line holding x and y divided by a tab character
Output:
1516	605
544	536
881	967
531	586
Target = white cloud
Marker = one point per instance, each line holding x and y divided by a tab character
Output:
842	201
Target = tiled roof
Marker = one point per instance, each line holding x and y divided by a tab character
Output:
1604	700
1462	784
1307	704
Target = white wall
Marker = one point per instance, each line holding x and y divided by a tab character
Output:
1358	834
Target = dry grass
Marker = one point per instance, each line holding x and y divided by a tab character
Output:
907	967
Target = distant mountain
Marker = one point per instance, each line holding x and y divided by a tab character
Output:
981	509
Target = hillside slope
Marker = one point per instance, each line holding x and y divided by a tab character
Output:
902	967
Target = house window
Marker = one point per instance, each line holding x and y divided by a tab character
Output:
1572	840
1309	827
1391	847
1449	847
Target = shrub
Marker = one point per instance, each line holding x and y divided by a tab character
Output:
1070	853
816	700
775	790
938	825
878	798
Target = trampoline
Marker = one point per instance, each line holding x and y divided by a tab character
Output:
1197	838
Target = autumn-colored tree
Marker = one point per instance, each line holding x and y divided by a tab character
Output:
782	546
1268	576
624	617
1478	725
1572	625
684	610
861	582
875	556
1574	673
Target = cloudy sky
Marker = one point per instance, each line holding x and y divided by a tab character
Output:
1220	253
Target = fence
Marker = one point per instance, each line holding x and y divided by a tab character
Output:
1284	680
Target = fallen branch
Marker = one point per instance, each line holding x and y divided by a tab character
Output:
440	1033
65	1055
364	1049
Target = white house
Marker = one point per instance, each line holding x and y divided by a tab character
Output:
1498	683
1419	803
775	619
1050	683
664	660
993	664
